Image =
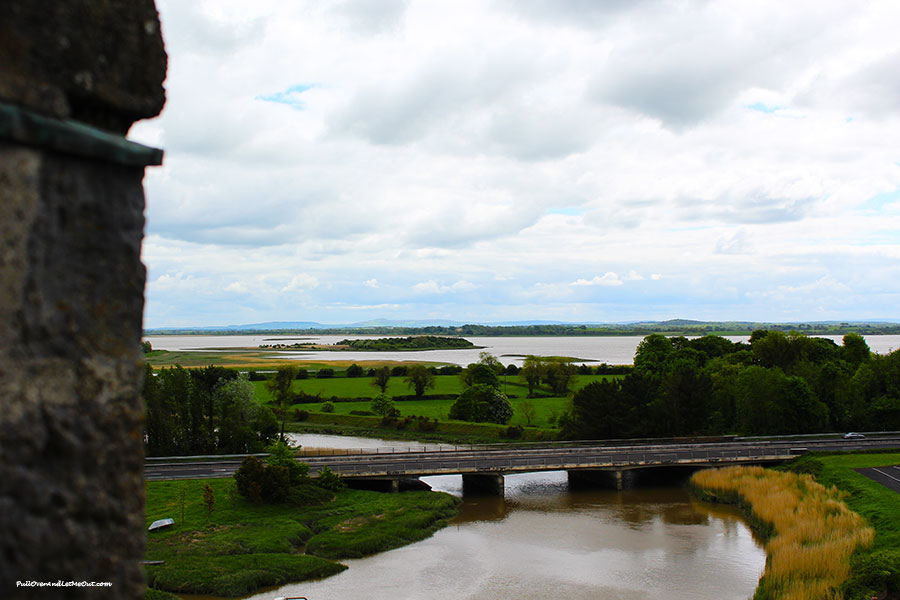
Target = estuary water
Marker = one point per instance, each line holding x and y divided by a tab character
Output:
545	541
590	350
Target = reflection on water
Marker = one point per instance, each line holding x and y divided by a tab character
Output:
544	541
314	444
616	350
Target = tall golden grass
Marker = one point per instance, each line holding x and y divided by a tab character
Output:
814	532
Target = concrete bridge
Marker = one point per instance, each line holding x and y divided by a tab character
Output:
483	468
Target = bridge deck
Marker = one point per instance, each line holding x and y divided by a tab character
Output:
519	460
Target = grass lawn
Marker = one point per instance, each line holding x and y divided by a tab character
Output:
242	546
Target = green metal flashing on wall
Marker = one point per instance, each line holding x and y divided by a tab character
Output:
71	137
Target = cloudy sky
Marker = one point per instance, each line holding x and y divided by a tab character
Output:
500	160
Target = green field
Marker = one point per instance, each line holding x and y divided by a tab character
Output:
242	546
546	409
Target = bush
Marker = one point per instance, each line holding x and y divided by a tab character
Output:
390	418
301	415
362	413
302	374
325	373
328	407
330	480
426	424
355	370
381	405
399	371
254	376
514	432
481	403
248	473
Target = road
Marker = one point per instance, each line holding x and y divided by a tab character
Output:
525	459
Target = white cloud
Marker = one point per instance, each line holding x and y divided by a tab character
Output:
557	157
302	281
608	278
433	287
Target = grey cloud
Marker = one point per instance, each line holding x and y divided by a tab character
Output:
580	13
754	207
372	16
679	95
447	86
873	90
187	27
540	134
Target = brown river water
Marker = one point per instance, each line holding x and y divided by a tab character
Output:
543	540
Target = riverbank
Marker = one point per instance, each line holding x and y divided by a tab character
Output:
240	546
828	529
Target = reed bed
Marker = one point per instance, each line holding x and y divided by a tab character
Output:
811	532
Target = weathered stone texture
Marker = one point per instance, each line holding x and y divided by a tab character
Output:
71	292
101	62
71	480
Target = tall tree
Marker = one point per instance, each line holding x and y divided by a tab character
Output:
532	370
280	387
420	378
381	378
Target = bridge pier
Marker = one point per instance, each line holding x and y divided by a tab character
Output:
491	484
604	478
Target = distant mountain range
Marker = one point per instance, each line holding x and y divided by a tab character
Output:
537	327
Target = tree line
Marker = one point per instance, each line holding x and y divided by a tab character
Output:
203	411
778	383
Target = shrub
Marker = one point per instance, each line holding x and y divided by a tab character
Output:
514	432
330	480
302	374
381	405
355	370
250	473
301	415
285	456
275	484
399	371
426	424
390	418
209	500
328	407
481	403
325	373
362	413
254	376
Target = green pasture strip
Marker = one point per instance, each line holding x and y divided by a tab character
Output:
439	409
242	546
447	431
361	387
876	569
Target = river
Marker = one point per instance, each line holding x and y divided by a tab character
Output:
543	540
611	350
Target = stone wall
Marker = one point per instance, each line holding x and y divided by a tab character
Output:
71	292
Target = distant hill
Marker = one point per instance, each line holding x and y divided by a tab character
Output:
687	327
